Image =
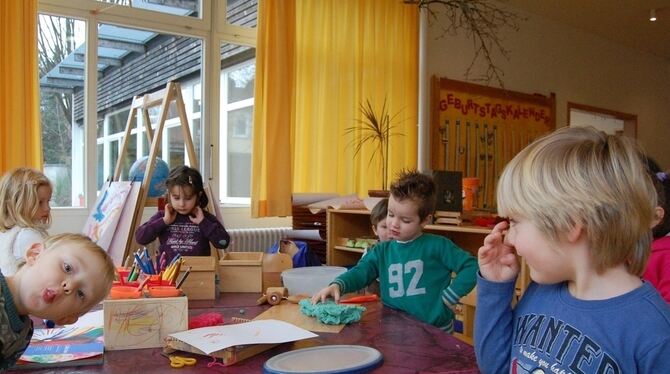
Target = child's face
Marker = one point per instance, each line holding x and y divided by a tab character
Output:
182	199
403	220
60	283
547	263
381	230
43	209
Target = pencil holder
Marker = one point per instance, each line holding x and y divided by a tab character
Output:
124	292
154	280
163	291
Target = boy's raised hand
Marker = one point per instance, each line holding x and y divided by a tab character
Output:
170	214
332	290
497	260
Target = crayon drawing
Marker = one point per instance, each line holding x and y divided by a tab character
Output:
103	219
143	323
117	247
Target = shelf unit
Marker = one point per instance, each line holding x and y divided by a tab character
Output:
349	224
346	223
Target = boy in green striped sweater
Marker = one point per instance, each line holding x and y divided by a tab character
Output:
414	269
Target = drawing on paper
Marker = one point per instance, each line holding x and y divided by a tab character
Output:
102	221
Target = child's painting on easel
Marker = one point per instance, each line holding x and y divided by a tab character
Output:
103	218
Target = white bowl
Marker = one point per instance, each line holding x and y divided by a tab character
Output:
310	279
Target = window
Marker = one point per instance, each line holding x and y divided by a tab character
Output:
236	124
134	57
190	8
143	62
61	92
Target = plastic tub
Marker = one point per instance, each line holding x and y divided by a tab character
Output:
310	279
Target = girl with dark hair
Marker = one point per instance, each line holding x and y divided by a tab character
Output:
184	227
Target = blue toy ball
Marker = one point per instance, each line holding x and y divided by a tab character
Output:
157	184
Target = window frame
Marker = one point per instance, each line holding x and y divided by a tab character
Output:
212	29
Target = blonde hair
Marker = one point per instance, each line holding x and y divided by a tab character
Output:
581	176
85	244
19	201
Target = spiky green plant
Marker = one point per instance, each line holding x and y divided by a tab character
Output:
374	128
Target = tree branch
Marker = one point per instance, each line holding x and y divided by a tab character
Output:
483	21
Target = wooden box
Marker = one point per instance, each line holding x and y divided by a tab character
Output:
241	272
144	322
201	282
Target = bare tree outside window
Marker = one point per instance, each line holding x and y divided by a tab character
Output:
56	40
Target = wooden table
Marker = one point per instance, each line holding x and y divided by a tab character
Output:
408	345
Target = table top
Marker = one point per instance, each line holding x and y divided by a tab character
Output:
408	345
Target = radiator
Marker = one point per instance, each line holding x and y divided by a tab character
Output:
256	239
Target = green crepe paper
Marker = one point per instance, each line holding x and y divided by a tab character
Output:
330	313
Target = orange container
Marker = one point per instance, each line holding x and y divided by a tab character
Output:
164	291
124	292
123	272
470	189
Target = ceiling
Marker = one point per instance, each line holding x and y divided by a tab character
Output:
622	21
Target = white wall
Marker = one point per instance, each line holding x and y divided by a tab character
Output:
583	68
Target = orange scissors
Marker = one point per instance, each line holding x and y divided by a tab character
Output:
180	362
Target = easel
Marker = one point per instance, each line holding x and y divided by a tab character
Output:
172	92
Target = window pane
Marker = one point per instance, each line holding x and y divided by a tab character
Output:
61	98
236	121
242	12
176	147
196	134
239	152
136	62
117	122
113	158
190	8
130	155
100	169
241	83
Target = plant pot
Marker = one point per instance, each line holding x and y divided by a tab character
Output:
378	193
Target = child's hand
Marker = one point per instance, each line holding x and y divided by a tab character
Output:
196	216
497	260
170	214
332	290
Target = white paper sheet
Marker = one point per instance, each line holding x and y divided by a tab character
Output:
309	198
344	202
370	202
215	338
90	319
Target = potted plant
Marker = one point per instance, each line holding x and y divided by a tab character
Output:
374	128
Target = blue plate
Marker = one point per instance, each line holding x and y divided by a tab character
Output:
325	359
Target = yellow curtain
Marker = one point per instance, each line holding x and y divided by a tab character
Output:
346	52
20	130
273	109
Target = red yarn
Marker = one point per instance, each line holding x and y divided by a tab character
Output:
205	319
